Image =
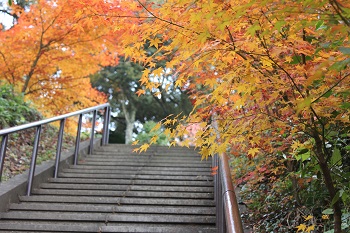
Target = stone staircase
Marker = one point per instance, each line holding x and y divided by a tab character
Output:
115	190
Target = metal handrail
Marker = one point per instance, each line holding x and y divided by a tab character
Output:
4	133
228	218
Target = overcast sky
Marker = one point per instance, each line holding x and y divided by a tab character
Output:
5	19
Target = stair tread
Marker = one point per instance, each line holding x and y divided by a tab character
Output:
130	181
107	193
108	217
46	226
117	200
125	187
145	168
135	176
64	207
168	229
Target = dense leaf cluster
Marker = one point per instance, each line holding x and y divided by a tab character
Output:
13	109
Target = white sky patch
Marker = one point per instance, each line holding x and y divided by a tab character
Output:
5	19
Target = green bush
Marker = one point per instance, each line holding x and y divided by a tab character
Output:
13	109
147	134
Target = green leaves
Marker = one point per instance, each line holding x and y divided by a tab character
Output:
13	109
336	158
344	50
305	103
303	155
320	25
252	29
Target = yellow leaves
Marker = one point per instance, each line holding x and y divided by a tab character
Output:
155	42
296	145
267	64
210	82
135	142
308	217
179	82
142	148
154	139
205	152
304	103
306	228
156	127
310	228
144	77
158	72
140	92
301	227
253	151
203	37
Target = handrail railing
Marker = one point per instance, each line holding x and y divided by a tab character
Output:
4	133
228	217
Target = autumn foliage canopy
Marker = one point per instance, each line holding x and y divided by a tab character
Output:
49	53
271	75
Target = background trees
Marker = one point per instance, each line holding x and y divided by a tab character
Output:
122	85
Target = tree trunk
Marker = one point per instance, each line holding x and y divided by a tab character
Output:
329	183
130	114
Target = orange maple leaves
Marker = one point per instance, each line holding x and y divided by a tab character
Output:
49	54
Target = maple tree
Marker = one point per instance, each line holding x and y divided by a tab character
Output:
49	53
273	74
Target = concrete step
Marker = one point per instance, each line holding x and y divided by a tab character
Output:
208	189
49	226
121	147
147	161
46	227
144	168
118	200
104	193
166	158
170	153
141	172
105	208
153	164
157	228
134	182
112	217
136	176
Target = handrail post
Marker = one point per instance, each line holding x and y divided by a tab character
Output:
59	147
107	125
77	140
92	134
33	161
3	153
